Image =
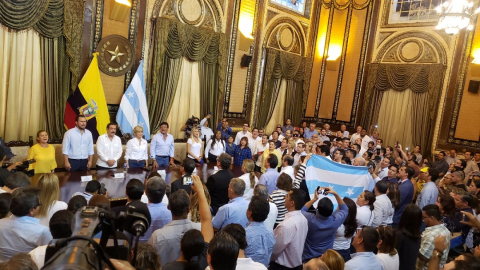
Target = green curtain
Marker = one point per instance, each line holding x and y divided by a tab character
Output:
22	14
74	13
56	83
209	94
421	79
296	70
174	40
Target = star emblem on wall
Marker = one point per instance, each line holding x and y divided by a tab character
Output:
116	54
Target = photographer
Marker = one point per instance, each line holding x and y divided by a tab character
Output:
191	123
5	172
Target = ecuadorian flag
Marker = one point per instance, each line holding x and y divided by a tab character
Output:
347	180
89	99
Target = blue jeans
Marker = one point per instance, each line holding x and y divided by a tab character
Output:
345	253
136	164
162	161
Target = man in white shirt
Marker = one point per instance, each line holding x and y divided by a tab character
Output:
471	165
382	205
324	151
262	192
383	170
259	149
287	166
239	234
207	132
290	234
356	135
365	139
61	225
109	148
296	137
243	133
452	157
252	141
300	153
343	129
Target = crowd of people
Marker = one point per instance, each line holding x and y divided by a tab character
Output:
415	213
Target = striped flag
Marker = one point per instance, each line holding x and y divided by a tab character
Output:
133	109
89	99
348	181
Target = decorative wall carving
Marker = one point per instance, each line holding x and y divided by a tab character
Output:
200	13
285	34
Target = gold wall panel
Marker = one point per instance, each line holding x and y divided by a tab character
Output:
331	76
351	69
468	124
317	63
113	86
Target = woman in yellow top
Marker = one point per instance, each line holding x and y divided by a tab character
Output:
43	154
272	149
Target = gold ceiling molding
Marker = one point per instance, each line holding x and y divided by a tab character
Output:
344	4
430	49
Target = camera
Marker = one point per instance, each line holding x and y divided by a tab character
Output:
80	251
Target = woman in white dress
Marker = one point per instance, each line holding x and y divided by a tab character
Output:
49	198
136	154
249	178
194	146
365	213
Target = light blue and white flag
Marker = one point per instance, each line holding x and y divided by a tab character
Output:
348	181
133	109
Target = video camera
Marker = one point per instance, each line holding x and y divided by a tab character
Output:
80	251
193	121
23	167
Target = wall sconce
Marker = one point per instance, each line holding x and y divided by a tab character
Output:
333	59
475	64
244	42
119	10
245	25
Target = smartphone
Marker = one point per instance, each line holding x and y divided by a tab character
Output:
187	181
322	191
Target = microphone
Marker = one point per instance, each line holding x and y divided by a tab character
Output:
378	149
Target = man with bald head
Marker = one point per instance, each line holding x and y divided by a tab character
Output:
359	161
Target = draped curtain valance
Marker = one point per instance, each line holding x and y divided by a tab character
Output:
289	66
45	16
174	40
425	81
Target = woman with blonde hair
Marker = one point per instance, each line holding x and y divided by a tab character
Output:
309	148
248	167
194	146
49	198
136	154
333	260
43	154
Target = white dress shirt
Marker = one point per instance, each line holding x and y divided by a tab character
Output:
259	148
272	216
56	206
217	149
108	150
290	236
382	210
383	173
364	216
136	150
240	135
38	255
297	156
354	137
366	139
252	143
288	170
205	131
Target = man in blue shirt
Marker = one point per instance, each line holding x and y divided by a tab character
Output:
269	178
322	225
162	148
161	216
77	146
429	192
405	186
260	239
365	242
308	132
225	129
22	232
235	211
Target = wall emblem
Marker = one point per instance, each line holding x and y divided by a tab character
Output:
116	56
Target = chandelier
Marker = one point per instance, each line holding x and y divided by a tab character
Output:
456	15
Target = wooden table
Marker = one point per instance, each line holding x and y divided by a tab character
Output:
70	182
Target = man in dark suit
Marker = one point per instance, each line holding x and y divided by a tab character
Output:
217	184
406	188
186	169
134	192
